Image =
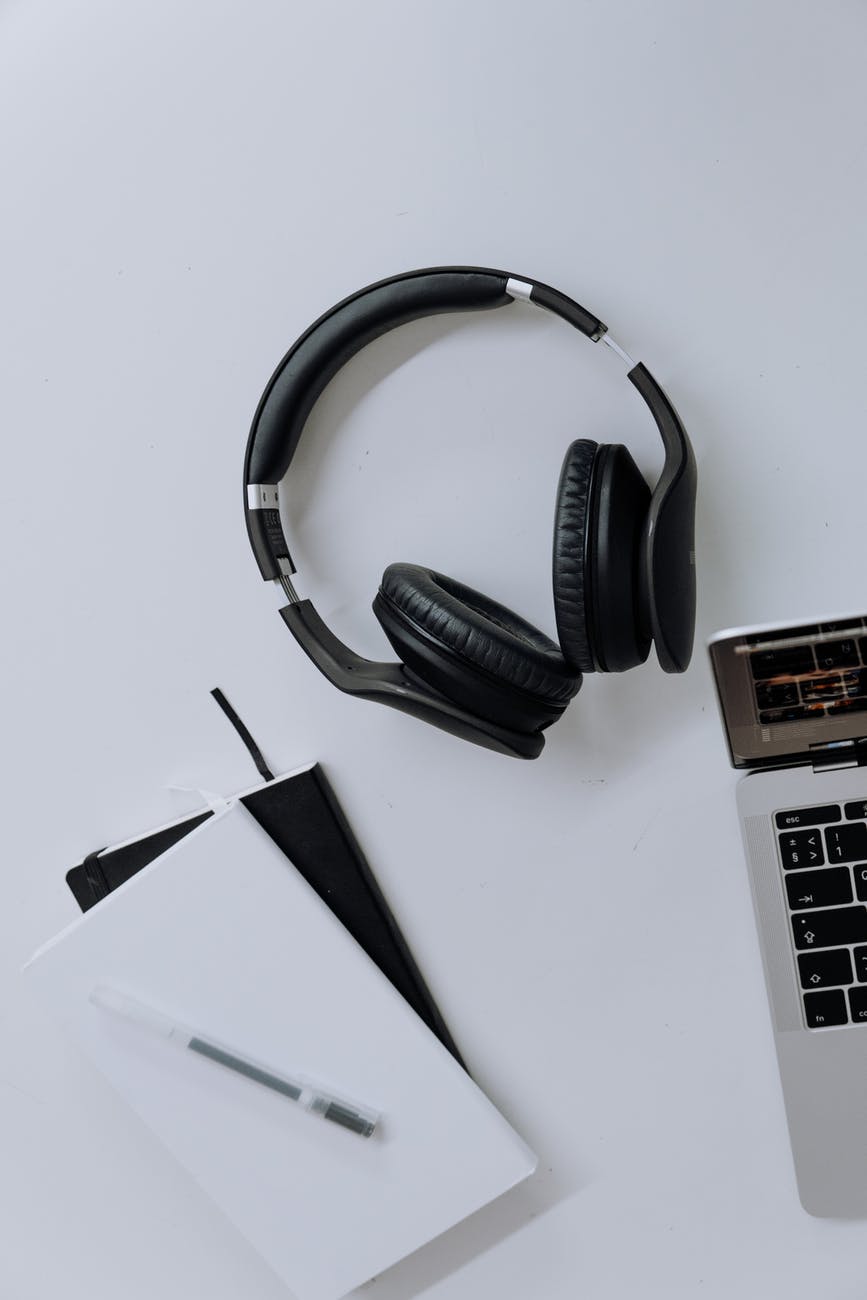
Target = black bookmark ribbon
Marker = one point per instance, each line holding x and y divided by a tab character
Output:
252	748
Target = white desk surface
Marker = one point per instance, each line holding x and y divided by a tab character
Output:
185	188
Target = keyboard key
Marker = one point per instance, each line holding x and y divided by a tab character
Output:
827	812
789	662
825	1009
846	843
768	717
830	929
856	811
821	969
828	687
771	696
848	706
860	957
852	625
837	654
826	888
860	880
801	849
855	683
783	633
858	1006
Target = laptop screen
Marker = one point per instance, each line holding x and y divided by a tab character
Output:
786	689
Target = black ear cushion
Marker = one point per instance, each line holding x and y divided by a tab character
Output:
473	648
619	501
571	523
480	630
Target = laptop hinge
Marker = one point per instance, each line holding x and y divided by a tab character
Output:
837	754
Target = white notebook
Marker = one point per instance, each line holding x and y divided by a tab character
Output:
222	934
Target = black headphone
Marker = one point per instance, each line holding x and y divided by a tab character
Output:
624	565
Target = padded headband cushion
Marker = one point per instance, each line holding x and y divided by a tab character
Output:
342	332
571	521
481	632
335	337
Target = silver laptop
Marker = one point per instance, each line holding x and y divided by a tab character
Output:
794	707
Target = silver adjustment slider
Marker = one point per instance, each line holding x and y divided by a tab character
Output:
285	581
262	496
519	289
615	347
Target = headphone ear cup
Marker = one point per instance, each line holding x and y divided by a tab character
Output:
602	503
620	501
571	525
473	650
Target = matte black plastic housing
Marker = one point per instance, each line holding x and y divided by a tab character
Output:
667	571
394	685
582	319
268	541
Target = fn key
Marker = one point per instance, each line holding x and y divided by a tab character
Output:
823	1009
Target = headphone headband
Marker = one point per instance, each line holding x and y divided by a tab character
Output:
667	573
331	341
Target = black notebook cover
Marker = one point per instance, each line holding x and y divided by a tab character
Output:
302	815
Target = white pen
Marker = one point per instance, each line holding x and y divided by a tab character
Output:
309	1095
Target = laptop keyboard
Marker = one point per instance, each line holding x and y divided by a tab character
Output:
827	677
823	852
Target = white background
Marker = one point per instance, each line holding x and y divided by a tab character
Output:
185	188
